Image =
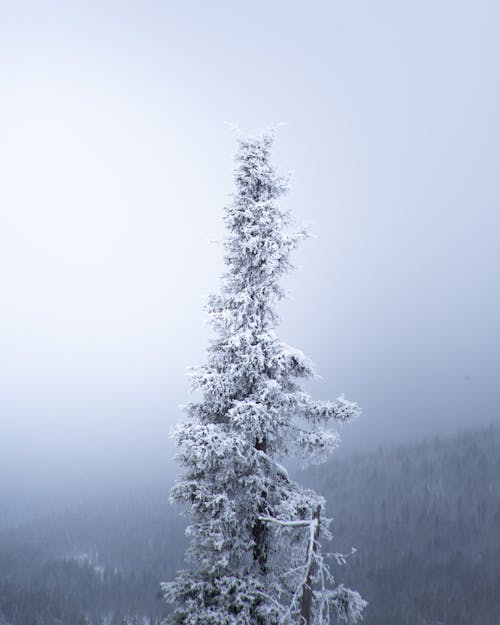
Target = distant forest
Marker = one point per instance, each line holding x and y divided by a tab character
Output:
424	518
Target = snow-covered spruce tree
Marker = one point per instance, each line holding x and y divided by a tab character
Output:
254	553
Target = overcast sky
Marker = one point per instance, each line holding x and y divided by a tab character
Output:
116	163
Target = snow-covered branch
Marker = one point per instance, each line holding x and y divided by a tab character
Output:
311	523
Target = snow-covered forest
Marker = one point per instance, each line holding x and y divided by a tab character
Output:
424	518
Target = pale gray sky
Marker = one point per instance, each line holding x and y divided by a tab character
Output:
116	164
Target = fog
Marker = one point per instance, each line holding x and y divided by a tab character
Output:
116	163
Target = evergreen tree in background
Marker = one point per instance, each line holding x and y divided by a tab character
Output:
254	555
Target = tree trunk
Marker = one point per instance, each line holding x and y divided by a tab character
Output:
260	530
307	593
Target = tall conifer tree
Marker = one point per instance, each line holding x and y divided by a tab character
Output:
254	555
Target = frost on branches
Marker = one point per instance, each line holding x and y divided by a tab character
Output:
254	553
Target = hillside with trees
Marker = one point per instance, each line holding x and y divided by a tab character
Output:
424	519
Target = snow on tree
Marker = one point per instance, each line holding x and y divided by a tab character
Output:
254	552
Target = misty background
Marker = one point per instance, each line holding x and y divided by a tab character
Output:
116	162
